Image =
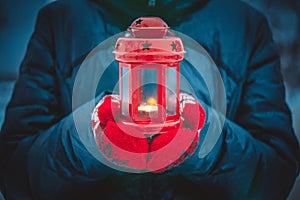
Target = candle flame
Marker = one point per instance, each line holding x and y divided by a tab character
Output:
149	106
151	101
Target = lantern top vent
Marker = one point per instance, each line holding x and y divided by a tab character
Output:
149	36
148	27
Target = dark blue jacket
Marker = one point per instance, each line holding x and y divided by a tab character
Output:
42	155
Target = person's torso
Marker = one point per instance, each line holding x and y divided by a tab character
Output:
219	27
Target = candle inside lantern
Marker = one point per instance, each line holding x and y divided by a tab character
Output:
149	106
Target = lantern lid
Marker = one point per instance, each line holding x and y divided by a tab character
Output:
152	27
149	36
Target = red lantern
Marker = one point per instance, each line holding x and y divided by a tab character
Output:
149	69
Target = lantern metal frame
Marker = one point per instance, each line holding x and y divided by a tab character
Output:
142	52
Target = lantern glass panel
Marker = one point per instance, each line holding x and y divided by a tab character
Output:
171	103
125	91
148	96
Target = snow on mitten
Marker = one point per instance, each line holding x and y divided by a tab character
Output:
192	112
108	109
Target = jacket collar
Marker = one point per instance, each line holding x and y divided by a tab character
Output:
122	12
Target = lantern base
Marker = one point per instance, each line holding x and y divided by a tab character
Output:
153	128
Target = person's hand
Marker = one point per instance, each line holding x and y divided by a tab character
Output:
172	149
119	145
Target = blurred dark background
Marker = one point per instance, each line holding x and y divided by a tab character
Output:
17	20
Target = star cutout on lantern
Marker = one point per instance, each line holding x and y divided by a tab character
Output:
138	22
146	46
174	46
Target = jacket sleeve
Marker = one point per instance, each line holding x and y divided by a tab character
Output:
37	144
257	154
